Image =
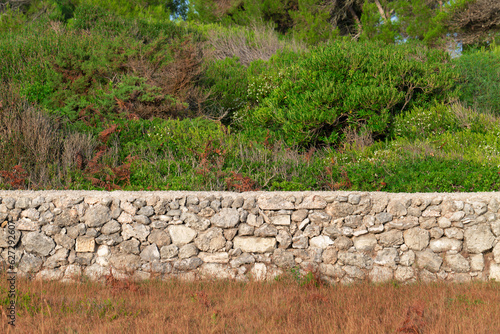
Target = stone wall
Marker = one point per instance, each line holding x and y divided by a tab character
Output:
345	236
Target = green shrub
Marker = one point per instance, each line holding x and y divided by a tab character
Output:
351	85
480	73
423	122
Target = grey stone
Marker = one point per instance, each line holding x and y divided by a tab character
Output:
454	233
58	259
4	237
150	253
111	227
407	258
339	209
478	239
226	218
300	242
141	219
23	203
159	238
390	238
274	203
353	221
380	274
283	259
387	257
284	239
457	263
365	243
312	231
445	245
51	230
249	203
245	229
299	215
343	243
321	241
242	259
266	230
429	260
64	241
130	246
168	252
39	243
383	217
403	274
397	208
188	264
238	202
312	202
136	230
436	232
216	270
211	241
97	216
354	199
50	274
355	259
329	255
220	257
416	238
30	263
125	262
354	272
479	208
74	231
331	270
255	244
67	217
109	240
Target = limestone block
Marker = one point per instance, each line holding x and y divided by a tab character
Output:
255	244
85	245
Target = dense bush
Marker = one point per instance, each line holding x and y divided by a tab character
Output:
480	72
360	86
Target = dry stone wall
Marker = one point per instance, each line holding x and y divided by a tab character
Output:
343	236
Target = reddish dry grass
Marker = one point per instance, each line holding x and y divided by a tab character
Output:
269	307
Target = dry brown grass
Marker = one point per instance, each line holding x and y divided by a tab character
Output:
254	307
263	43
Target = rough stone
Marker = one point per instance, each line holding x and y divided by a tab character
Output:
478	239
30	263
125	262
255	244
168	252
321	241
226	218
111	227
220	257
188	251
387	257
355	259
445	245
130	246
97	216
39	243
416	238
159	238
365	242
188	264
211	241
284	239
494	272
403	274
457	263
429	260
380	274
274	203
266	230
391	238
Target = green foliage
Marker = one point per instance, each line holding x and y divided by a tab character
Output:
421	123
351	85
480	72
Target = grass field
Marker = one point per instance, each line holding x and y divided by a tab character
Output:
286	305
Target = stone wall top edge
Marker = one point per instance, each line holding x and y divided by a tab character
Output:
168	194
